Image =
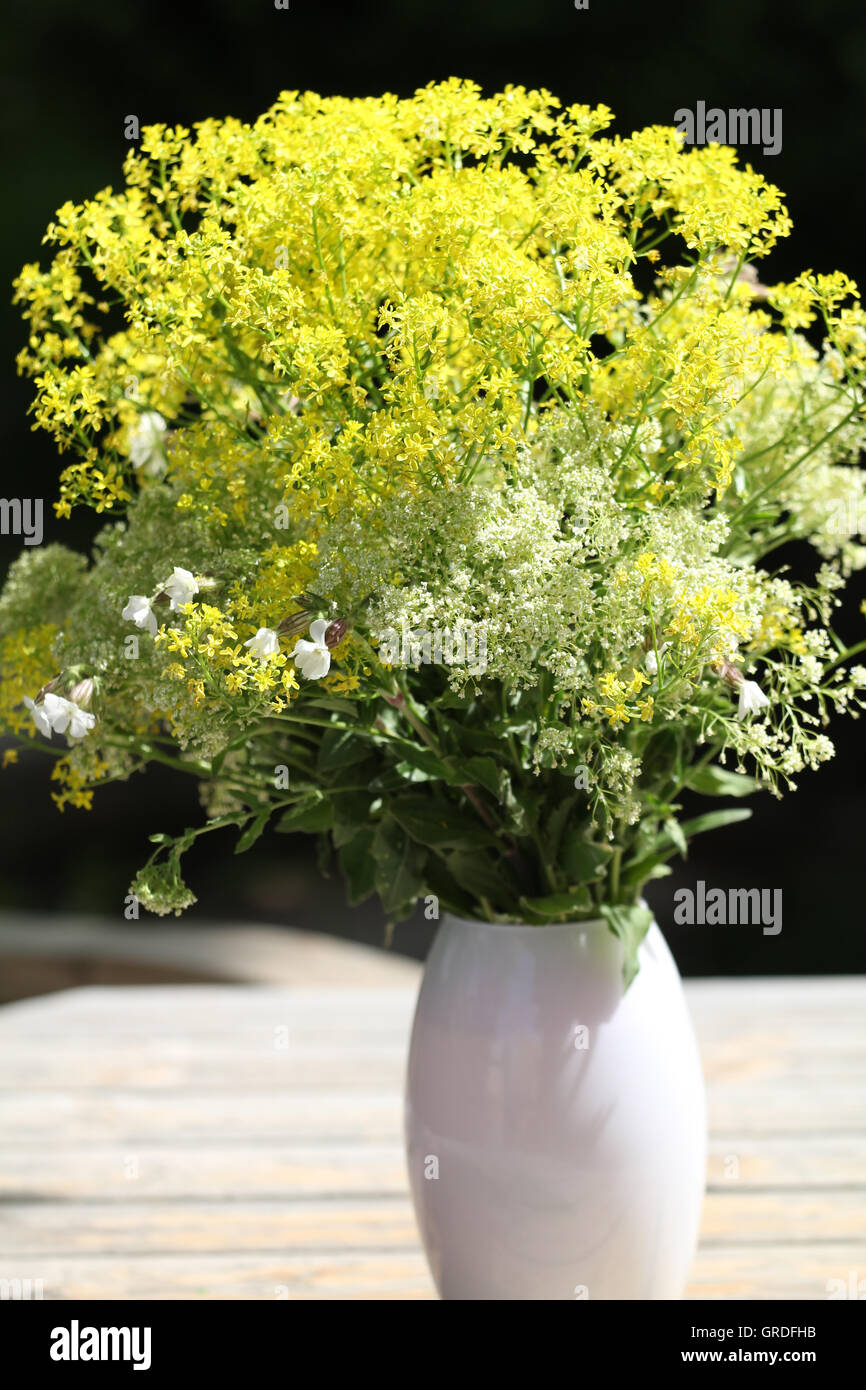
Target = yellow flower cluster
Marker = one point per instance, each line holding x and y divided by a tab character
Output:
26	663
283	573
624	699
427	297
78	775
214	663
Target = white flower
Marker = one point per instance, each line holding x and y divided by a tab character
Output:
69	718
265	643
752	699
180	587
40	718
145	443
313	659
139	611
651	661
58	715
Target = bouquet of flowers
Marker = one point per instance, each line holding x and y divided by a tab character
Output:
443	447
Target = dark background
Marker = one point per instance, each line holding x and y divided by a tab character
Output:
72	73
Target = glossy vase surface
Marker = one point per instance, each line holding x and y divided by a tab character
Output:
555	1123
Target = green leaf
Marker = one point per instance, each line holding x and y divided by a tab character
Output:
650	864
252	832
717	781
426	761
449	699
439	882
407	773
583	860
350	777
555	826
324	855
486	773
312	815
640	871
477	875
436	824
334	704
471	741
557	905
358	866
519	813
630	925
676	836
351	813
714	820
398	861
341	748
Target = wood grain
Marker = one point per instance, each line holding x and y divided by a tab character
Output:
244	1141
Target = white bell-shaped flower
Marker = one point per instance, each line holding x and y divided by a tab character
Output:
752	699
139	611
265	643
181	587
313	659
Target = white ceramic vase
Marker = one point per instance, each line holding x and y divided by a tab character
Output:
555	1125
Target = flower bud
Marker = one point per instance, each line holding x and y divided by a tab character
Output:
295	623
728	672
335	633
81	693
47	689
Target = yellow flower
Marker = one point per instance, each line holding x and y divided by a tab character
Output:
617	715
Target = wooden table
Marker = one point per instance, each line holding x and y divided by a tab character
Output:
244	1141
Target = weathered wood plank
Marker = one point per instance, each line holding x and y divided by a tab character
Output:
245	1142
283	1165
272	1224
787	1106
173	1116
284	1091
103	1134
719	1007
388	1275
755	1217
763	1274
773	1161
353	1221
137	1173
772	1271
274	1071
177	1009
